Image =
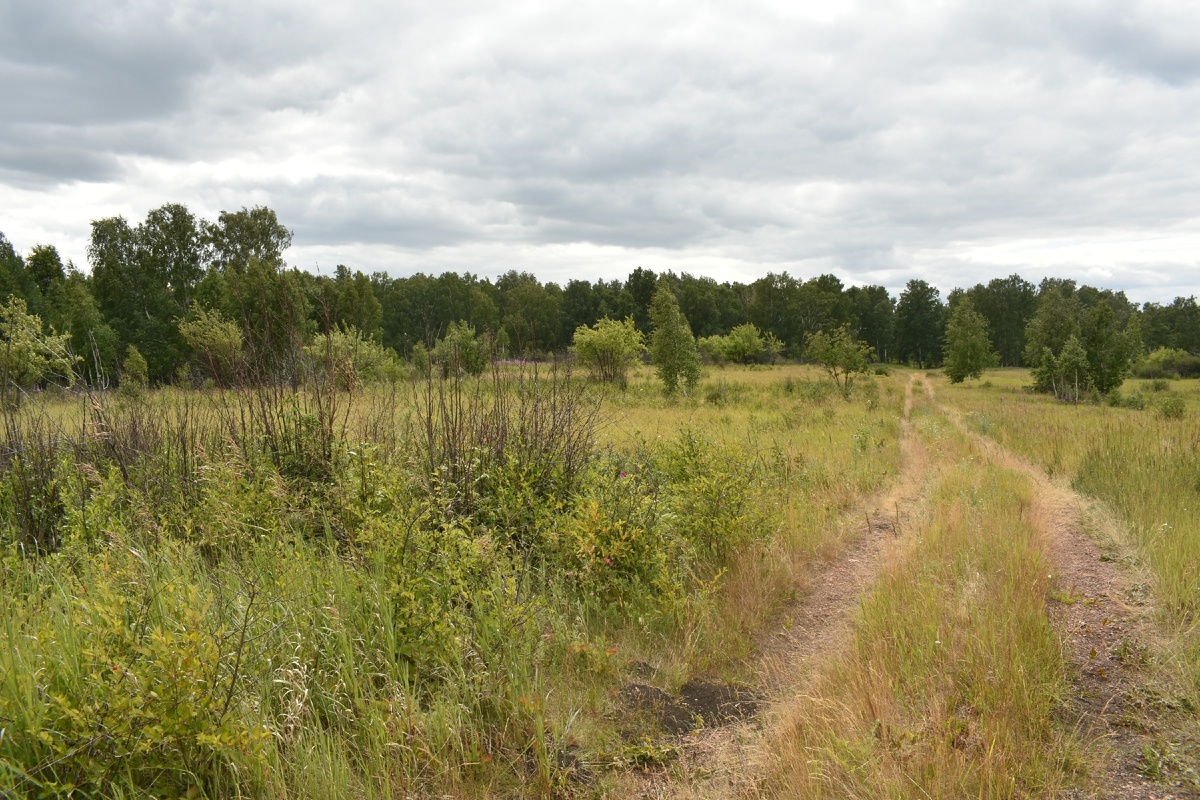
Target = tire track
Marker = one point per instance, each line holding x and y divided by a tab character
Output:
727	761
1105	620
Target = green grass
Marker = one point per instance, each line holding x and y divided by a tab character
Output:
949	685
1143	465
287	605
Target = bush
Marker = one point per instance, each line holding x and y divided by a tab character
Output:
216	343
347	358
609	349
460	351
135	373
842	355
1166	362
1171	407
27	355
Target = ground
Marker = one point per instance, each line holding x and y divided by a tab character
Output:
1120	709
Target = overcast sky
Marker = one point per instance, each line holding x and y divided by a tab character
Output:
954	142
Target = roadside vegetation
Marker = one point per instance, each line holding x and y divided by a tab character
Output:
1139	453
426	588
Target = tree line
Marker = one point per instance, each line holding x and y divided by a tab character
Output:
149	284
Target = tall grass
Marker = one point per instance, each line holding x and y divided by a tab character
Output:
948	687
1143	464
405	592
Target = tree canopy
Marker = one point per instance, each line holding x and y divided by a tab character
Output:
968	351
148	280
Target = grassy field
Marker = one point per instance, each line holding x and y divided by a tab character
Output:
432	590
1141	458
450	589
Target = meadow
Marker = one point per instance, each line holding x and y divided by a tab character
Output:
430	588
469	587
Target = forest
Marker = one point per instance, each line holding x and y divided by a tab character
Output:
142	281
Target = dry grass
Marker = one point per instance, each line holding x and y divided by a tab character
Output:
1140	463
948	685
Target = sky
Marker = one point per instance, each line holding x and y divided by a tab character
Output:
950	141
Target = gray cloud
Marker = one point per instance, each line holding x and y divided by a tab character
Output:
881	142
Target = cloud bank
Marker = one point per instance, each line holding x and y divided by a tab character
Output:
951	141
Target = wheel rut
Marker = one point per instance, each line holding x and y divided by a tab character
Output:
821	620
726	761
1104	615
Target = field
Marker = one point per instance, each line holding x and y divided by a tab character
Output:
528	585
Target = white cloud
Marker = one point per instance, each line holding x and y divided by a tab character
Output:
951	141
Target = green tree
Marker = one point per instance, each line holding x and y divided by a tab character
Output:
15	279
351	359
420	360
216	342
842	355
968	350
1055	321
1065	374
1007	304
74	311
27	354
920	322
1062	317
237	237
1110	350
270	304
45	267
744	344
609	349
875	313
640	288
135	373
672	346
774	304
531	312
143	279
460	351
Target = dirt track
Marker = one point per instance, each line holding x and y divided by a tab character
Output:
1101	609
1104	614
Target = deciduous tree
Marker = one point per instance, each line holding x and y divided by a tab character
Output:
609	349
672	346
842	355
968	351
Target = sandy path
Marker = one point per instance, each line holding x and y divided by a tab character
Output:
1104	616
725	761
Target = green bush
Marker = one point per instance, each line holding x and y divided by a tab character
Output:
1166	362
1171	407
609	349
